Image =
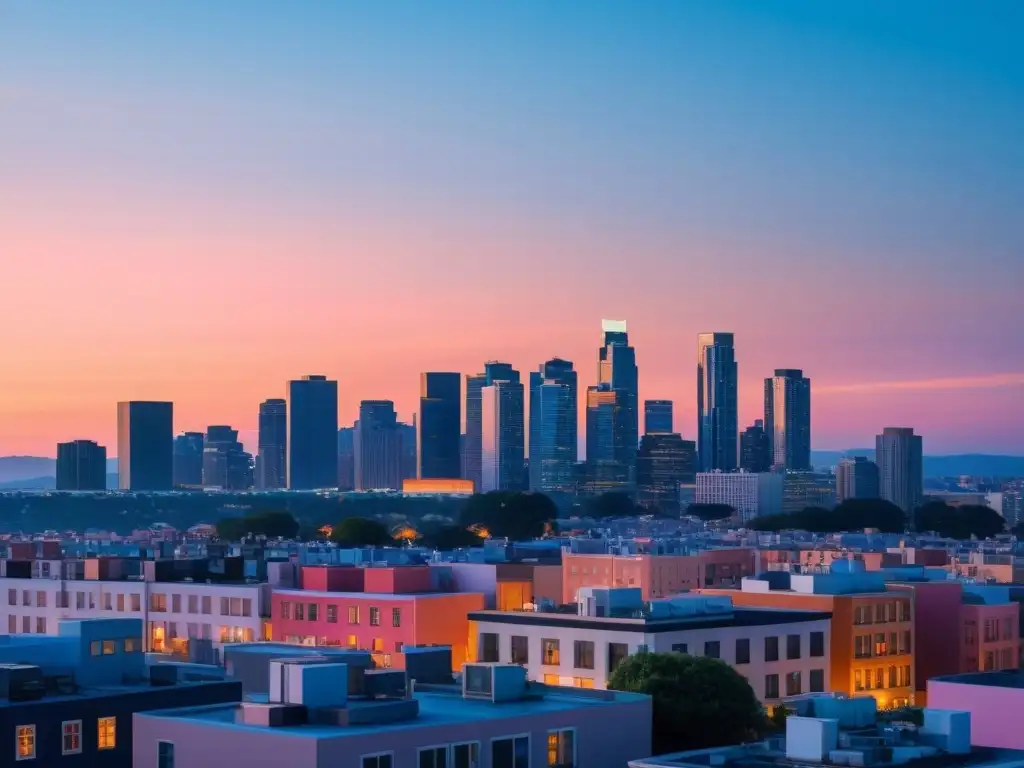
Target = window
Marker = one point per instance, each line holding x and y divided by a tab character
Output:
41	599
207	604
26	598
137	603
583	682
383	760
488	646
374	616
95	648
353	614
511	752
583	654
286	609
552	680
466	755
332	614
743	650
312	612
12	625
132	644
793	684
40	625
80	600
520	649
858	680
616	653
71	737
817	644
378	645
713	649
120	603
193	603
771	649
817	681
107	605
12	597
396	617
225	607
880	644
165	754
562	748
879	678
300	612
792	647
771	686
432	757
109	648
26	624
353	641
904	610
107	732
879	613
158	603
549	652
175	603
680	648
25	742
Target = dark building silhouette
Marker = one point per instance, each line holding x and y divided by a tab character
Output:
377	447
440	426
553	427
617	371
606	470
271	459
787	419
346	459
472	445
409	464
313	433
856	478
226	465
755	449
145	434
663	461
81	466
899	455
657	416
188	460
717	405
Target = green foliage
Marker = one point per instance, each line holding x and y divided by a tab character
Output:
508	513
709	512
777	719
448	537
612	504
270	524
961	522
699	702
361	532
851	515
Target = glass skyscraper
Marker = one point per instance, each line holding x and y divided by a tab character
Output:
502	436
81	466
553	427
605	469
900	460
658	417
787	419
145	439
226	465
378	447
313	433
493	371
272	453
617	373
717	407
439	426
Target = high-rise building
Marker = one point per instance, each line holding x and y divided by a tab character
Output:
663	462
440	426
605	471
899	455
804	489
617	371
347	458
856	478
787	419
226	464
313	433
717	391
188	460
494	370
81	466
755	453
377	447
502	436
750	494
145	432
408	432
553	427
271	461
657	417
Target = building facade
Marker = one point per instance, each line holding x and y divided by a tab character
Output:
472	445
618	372
81	466
378	447
188	460
787	419
899	455
663	462
658	417
313	433
272	457
755	449
226	464
717	404
145	434
856	478
439	426
605	468
750	494
553	427
502	452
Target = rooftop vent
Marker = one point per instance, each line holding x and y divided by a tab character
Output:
494	682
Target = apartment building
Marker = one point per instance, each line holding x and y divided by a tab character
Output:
780	652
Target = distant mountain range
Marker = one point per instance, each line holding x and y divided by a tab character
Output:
38	473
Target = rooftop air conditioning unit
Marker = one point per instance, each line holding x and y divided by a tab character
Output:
494	682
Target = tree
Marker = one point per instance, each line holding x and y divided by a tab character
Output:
361	532
612	504
960	522
850	515
270	524
699	702
451	537
509	513
709	512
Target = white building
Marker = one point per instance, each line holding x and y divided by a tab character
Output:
751	494
782	653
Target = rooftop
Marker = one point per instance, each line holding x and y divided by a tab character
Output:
1007	679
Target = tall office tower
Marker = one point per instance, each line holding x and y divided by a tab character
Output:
471	445
617	369
81	466
553	427
502	436
663	462
755	449
145	431
226	464
313	433
408	432
188	460
657	417
787	419
271	461
856	478
899	455
347	458
439	426
717	414
606	471
377	447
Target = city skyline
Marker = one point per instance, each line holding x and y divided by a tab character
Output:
375	193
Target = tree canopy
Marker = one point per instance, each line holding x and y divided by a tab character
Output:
361	532
709	512
611	504
509	513
960	522
450	537
699	702
271	524
850	515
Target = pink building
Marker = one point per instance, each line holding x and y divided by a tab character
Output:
994	699
376	609
989	636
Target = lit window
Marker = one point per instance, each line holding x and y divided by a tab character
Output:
71	739
109	648
549	652
550	679
95	648
107	732
25	748
583	682
562	748
131	644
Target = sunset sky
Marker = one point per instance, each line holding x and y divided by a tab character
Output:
200	200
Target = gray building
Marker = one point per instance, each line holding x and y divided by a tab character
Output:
663	463
145	436
377	447
226	464
502	437
658	417
617	370
188	460
81	466
553	427
472	447
755	449
717	405
347	458
856	478
313	433
899	455
271	460
605	469
787	419
439	426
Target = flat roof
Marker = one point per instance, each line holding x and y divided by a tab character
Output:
367	595
739	617
1003	679
104	691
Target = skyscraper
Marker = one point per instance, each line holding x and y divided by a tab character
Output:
81	466
226	464
663	462
493	371
347	458
271	461
787	419
553	427
313	433
502	436
145	431
605	469
440	426
856	478
616	370
658	417
377	447
899	455
188	460
717	414
755	451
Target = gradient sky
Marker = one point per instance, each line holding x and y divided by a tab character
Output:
200	200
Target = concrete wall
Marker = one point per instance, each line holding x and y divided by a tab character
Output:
993	711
